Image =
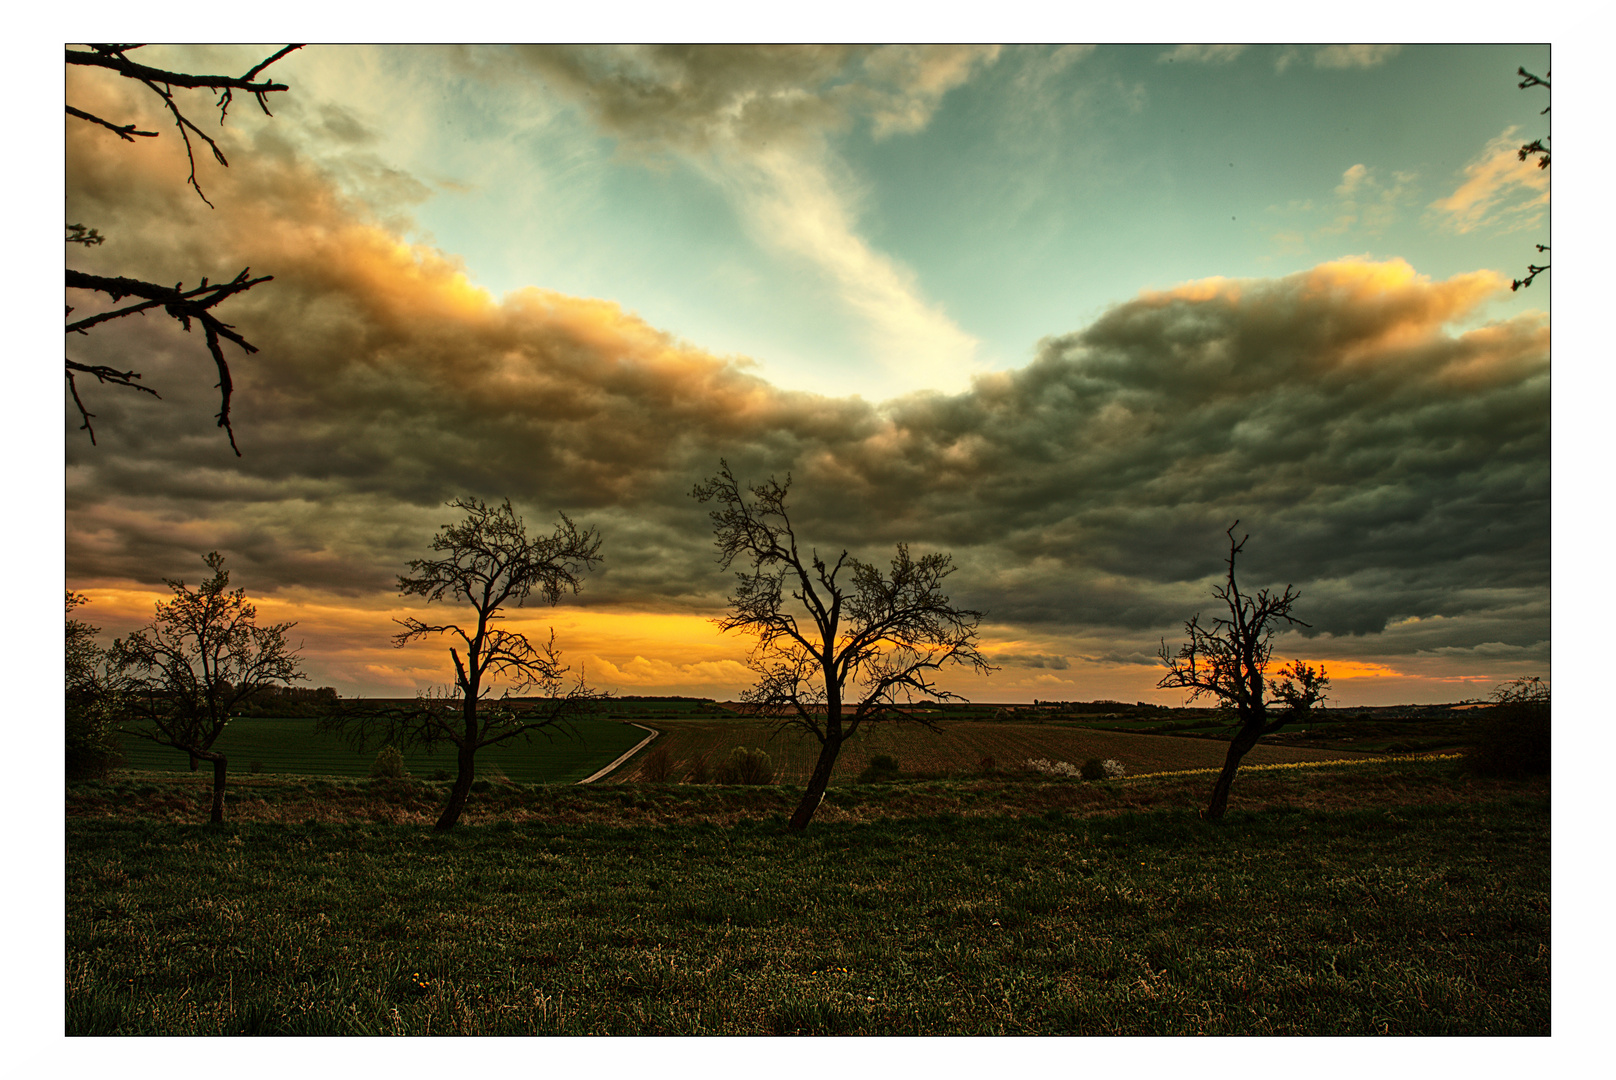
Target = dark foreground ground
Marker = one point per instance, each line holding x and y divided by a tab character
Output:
1397	898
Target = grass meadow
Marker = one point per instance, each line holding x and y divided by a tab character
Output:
1392	897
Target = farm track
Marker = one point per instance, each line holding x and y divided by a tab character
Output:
959	747
630	752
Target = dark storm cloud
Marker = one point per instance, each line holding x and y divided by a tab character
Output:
1020	660
693	95
1391	466
1331	412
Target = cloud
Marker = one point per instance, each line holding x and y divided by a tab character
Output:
1019	660
713	677
1336	57
758	122
1500	191
1201	54
699	97
1352	180
1366	204
1354	56
1393	467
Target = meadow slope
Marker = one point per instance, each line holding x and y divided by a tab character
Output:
1374	898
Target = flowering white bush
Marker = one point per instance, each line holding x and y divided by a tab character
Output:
1052	768
1113	768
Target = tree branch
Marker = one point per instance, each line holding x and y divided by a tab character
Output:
161	82
126	132
180	305
104	374
112	58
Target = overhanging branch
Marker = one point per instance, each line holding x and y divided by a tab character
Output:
178	303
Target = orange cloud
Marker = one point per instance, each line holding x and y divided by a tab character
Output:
1350	670
1500	190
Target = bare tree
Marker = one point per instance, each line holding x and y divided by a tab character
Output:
869	645
1229	659
202	657
182	304
1538	148
487	562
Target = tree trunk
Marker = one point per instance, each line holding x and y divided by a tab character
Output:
462	788
1243	741
817	783
218	790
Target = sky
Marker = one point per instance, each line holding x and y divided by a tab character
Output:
1063	312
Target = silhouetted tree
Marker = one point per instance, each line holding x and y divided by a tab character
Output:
871	640
203	656
1538	148
179	303
487	562
1228	660
94	691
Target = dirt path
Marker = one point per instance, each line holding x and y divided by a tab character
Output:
635	749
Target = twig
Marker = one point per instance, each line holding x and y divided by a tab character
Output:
104	374
126	132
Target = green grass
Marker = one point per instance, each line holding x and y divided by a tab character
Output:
1430	918
292	746
1391	729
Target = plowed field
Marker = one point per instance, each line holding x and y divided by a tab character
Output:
959	747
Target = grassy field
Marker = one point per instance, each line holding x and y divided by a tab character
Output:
1414	729
959	746
294	747
1372	898
1380	729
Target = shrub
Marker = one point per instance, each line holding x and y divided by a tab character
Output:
92	700
1052	768
1093	769
658	765
441	775
987	765
745	766
699	772
92	751
1113	768
882	767
258	767
389	764
1513	736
